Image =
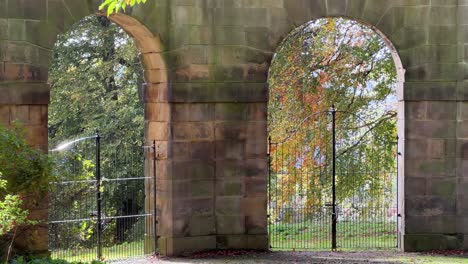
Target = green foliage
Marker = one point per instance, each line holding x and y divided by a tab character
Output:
11	214
22	260
96	77
25	170
325	63
114	6
25	174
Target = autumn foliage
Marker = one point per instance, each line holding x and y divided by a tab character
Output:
325	63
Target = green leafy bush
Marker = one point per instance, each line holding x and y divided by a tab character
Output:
11	214
21	260
25	170
24	176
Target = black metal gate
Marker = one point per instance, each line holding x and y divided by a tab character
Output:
102	206
333	184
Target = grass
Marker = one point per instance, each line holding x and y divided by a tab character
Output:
431	260
317	236
121	251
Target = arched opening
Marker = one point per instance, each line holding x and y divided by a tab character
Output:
336	129
108	76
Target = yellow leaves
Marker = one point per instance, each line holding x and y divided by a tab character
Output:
114	6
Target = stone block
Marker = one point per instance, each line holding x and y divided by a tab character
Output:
255	186
231	131
230	187
19	113
418	15
254	204
442	187
202	188
410	37
232	241
232	149
180	112
202	151
38	114
180	151
159	131
256	223
157	112
228	205
444	34
441	110
35	9
4	115
230	35
230	224
155	93
193	169
256	147
462	205
203	131
431	224
155	75
203	206
182	131
16	30
202	225
174	246
256	167
433	129
231	111
430	205
258	242
15	9
37	136
152	61
257	112
462	224
426	242
416	186
202	112
229	169
259	38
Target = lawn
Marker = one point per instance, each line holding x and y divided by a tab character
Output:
121	251
317	236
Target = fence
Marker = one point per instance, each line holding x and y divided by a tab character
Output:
333	184
102	205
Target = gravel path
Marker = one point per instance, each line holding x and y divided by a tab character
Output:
284	257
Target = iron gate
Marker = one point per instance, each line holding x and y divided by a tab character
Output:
103	206
325	190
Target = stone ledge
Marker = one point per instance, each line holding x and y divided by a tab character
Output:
175	246
427	242
24	93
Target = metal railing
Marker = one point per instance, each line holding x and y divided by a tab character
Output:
103	203
327	192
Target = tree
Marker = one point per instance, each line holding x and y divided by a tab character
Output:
95	78
117	5
325	63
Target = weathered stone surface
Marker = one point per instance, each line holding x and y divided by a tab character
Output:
206	67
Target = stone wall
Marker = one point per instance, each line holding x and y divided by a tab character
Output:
206	67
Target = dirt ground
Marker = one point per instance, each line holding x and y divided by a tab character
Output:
305	257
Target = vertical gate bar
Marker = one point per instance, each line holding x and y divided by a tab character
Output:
98	194
334	220
398	192
155	222
269	190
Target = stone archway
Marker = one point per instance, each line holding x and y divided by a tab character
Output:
217	55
